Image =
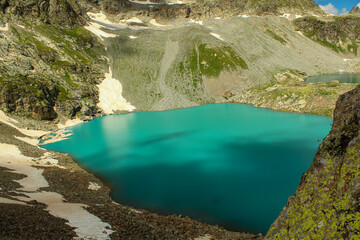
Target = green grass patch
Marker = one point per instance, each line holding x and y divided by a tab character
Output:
213	60
275	36
330	45
63	94
353	48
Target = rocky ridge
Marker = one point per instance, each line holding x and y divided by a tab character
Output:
339	33
50	64
326	203
59	12
355	9
290	93
202	9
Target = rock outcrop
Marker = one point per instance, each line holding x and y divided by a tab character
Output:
201	9
326	203
59	12
48	71
341	33
355	9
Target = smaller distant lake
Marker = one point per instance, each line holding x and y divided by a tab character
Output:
341	77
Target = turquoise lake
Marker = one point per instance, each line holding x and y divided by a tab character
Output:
341	77
227	164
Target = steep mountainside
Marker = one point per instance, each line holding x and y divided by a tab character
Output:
49	68
60	12
326	203
355	9
341	33
261	7
201	9
182	66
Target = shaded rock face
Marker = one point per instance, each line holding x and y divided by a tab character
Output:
16	97
341	33
49	71
213	8
60	12
326	204
264	7
355	10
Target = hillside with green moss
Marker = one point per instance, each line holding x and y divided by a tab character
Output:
340	33
326	203
49	71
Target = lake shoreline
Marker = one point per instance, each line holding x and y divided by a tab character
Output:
73	184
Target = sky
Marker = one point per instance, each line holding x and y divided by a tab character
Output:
337	7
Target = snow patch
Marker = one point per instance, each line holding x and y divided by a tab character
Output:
10	201
286	15
95	28
101	17
60	135
87	226
94	186
147	2
174	3
30	141
110	96
6	28
197	22
217	18
299	32
132	37
244	16
154	23
9	121
69	123
217	36
132	20
205	237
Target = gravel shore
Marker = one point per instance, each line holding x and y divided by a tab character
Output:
32	219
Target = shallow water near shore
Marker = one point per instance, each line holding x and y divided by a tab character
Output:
228	164
341	77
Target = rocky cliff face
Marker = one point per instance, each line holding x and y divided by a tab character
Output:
261	7
326	203
201	9
50	65
341	33
355	9
60	12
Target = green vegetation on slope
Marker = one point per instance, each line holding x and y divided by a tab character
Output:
275	36
290	93
326	203
59	66
339	33
210	61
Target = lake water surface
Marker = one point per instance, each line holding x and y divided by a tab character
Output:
341	77
227	164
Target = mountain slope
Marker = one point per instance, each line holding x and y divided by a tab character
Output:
50	64
326	203
337	32
355	9
210	60
201	9
60	12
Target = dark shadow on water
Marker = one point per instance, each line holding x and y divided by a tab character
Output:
245	193
163	137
